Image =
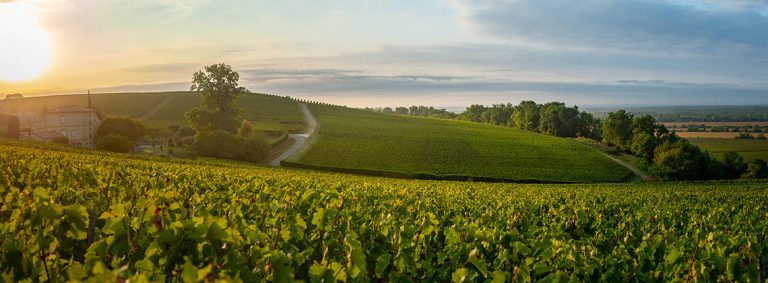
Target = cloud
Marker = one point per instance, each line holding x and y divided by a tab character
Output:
638	25
267	75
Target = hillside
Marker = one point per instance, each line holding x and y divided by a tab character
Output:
268	112
350	138
115	217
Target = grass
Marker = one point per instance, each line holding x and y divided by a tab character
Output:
749	149
271	113
360	139
266	112
118	104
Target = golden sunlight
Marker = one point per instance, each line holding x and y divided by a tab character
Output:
25	50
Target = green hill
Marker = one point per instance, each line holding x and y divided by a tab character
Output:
266	111
350	138
111	217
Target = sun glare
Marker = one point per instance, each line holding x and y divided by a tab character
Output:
25	51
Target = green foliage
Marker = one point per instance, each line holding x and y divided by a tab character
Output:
681	160
350	138
123	126
756	169
526	116
115	143
734	165
218	144
112	218
225	145
218	86
617	129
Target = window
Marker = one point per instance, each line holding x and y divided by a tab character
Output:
63	119
64	133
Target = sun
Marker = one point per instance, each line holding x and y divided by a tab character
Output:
25	50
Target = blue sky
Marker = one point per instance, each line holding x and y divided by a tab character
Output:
441	53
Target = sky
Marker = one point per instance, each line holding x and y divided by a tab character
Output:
443	53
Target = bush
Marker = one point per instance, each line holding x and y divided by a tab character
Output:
225	145
757	169
681	160
123	126
61	140
218	144
255	149
115	143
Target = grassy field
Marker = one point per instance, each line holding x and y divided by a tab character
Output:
708	135
353	138
70	214
749	149
119	104
713	124
265	111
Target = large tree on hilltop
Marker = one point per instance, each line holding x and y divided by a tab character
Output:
219	90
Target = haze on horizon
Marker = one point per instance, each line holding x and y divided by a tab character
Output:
396	52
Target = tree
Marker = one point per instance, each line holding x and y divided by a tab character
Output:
734	165
219	89
115	143
526	116
757	169
643	144
549	116
124	126
589	126
617	129
681	160
474	113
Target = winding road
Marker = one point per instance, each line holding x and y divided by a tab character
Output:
300	139
637	172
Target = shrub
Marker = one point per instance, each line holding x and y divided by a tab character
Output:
223	144
115	143
218	144
255	149
123	126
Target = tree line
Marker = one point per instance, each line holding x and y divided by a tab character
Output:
670	157
420	111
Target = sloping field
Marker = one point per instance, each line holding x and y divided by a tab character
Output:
106	217
118	104
265	111
749	149
350	138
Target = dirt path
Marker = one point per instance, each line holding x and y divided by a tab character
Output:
299	139
637	172
151	111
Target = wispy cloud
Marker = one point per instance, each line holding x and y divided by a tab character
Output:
637	25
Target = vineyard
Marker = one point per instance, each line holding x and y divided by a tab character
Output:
358	139
111	218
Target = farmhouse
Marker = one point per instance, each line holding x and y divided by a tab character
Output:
77	123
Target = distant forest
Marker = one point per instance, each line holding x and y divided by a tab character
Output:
757	113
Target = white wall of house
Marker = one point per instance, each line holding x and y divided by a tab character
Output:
79	127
